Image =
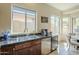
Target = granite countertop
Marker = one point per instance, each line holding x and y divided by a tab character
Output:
18	40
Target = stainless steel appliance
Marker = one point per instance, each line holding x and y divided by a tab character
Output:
45	46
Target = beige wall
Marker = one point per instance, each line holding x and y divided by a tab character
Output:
5	17
42	10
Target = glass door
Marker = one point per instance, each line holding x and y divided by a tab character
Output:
55	25
65	23
55	28
76	25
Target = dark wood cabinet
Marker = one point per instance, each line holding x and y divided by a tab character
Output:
35	50
24	51
7	50
0	51
26	48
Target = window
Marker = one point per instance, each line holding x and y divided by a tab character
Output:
76	25
23	21
31	22
18	21
65	25
55	24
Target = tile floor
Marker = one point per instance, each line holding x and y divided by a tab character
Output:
63	50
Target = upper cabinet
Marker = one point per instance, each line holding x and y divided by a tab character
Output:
23	20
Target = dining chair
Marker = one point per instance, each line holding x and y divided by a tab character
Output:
68	41
71	42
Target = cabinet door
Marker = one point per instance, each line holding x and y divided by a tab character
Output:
35	50
24	51
45	46
38	49
7	50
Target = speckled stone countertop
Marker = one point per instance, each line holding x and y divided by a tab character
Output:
19	40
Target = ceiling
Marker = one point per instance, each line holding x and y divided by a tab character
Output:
63	6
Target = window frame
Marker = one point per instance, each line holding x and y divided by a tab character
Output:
25	19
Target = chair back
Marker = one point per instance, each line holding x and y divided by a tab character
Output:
68	39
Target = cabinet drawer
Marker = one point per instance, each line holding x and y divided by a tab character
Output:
35	42
7	50
27	44
17	47
23	45
35	50
24	51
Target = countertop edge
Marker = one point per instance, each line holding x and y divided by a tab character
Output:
25	41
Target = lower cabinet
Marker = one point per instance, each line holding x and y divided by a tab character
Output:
24	51
0	51
26	48
35	50
7	50
34	47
